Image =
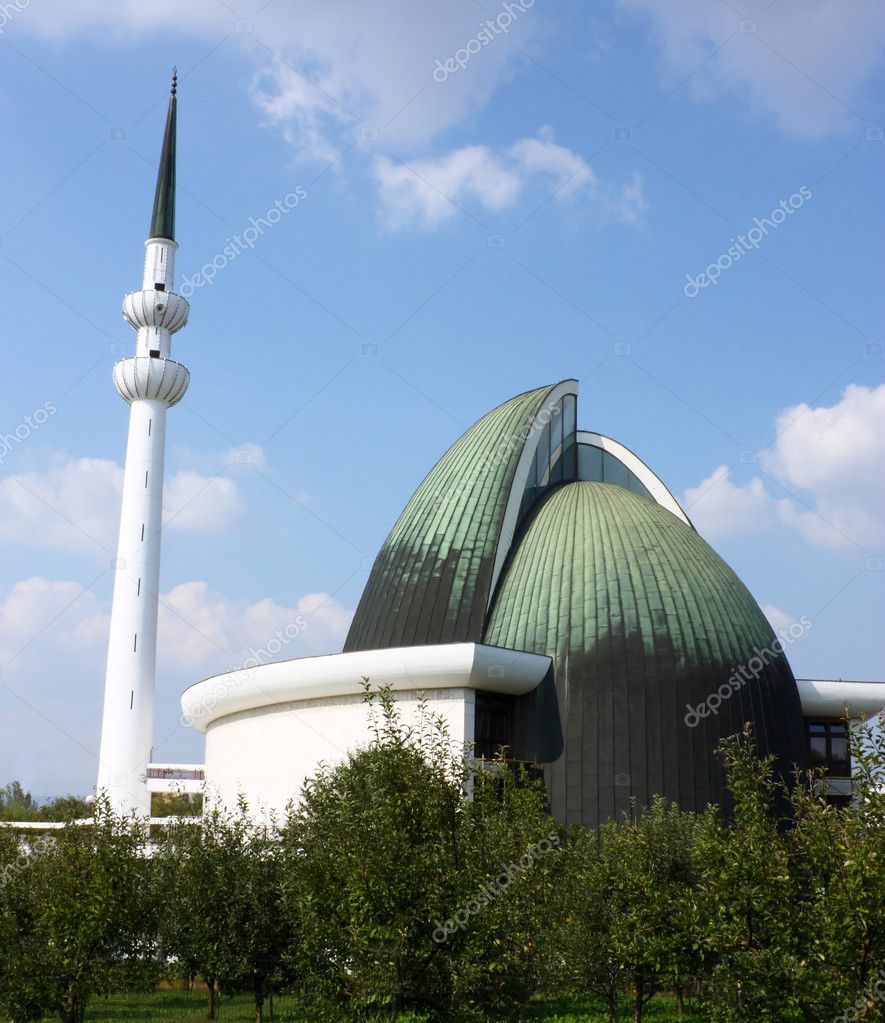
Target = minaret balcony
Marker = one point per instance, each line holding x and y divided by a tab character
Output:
156	309
152	378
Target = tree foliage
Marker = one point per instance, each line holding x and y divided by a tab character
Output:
77	916
391	872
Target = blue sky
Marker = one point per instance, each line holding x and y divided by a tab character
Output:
532	215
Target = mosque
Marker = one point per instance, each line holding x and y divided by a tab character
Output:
542	591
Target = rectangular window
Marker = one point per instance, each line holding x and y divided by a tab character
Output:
589	463
568	415
828	747
613	471
493	724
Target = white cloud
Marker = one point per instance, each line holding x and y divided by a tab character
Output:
59	613
202	630
570	172
778	619
323	68
75	503
631	204
834	455
798	62
829	459
53	644
721	508
429	191
201	504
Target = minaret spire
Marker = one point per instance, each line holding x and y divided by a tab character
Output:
150	382
163	218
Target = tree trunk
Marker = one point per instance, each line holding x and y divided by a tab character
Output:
259	1004
638	999
613	1004
680	1000
73	1008
212	1009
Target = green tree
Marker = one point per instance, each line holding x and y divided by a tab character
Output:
744	902
838	856
625	919
580	955
390	873
80	904
222	919
16	804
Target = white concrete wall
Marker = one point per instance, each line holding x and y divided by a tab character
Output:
267	753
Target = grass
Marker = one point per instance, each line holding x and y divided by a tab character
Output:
190	1007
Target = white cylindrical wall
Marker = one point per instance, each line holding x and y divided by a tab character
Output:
127	723
266	754
159	263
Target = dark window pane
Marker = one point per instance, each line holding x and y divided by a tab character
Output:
543	455
838	749
568	415
493	724
837	729
817	728
569	469
555	434
613	471
556	471
589	463
818	750
636	485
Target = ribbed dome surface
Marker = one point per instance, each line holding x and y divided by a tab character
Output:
643	620
431	580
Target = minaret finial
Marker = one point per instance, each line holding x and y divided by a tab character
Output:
163	219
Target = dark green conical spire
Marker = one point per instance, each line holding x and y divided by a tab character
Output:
163	219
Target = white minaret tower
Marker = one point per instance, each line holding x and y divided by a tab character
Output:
150	382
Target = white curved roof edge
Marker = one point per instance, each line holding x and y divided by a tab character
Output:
520	477
652	482
829	697
444	666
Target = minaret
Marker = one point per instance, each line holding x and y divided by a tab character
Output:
149	382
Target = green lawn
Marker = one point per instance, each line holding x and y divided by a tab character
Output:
183	1007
